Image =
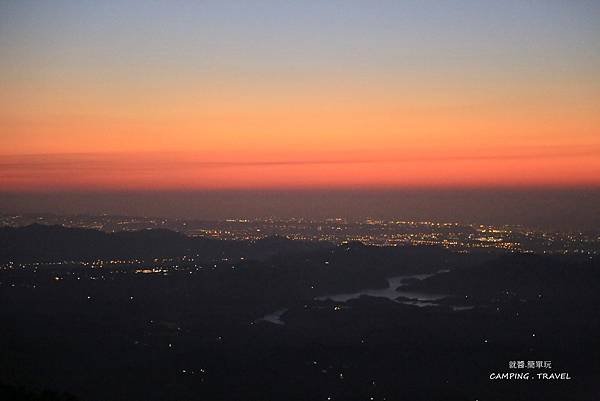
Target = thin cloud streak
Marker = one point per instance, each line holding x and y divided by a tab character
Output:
183	159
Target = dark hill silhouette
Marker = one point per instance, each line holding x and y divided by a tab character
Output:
522	275
56	243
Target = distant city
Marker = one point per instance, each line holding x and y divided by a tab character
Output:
450	235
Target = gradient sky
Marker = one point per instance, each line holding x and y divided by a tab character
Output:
178	95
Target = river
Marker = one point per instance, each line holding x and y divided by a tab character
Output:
392	292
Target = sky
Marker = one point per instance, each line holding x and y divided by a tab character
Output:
229	95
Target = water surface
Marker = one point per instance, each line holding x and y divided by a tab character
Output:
392	291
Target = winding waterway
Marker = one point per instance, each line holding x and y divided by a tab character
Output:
392	292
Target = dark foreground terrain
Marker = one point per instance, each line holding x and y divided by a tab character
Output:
155	315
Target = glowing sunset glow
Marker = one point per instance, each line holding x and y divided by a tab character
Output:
282	95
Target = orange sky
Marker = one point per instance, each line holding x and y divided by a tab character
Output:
92	116
352	139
